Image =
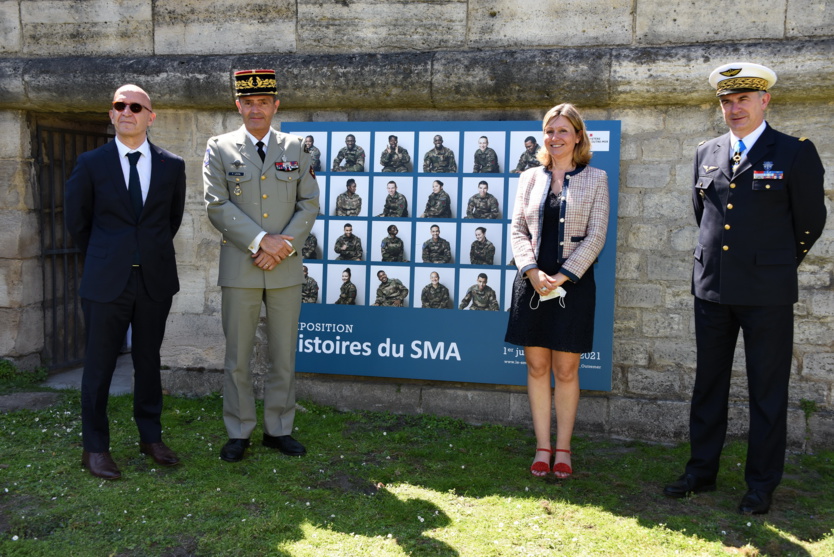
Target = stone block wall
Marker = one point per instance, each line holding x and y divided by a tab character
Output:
642	62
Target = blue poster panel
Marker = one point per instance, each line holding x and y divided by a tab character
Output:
412	202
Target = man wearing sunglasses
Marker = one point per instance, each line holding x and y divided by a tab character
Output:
262	196
124	203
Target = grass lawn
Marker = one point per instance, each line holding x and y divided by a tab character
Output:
380	484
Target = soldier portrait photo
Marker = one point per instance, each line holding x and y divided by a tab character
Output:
479	296
394	156
309	288
439	204
391	291
436	249
348	244
351	157
390	200
483	205
348	203
392	241
346	284
524	148
485	152
315	153
435	294
482	251
312	248
440	156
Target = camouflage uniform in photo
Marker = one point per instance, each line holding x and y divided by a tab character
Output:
315	156
486	161
482	300
482	253
392	249
354	158
437	251
309	291
395	206
391	293
310	247
348	205
483	207
439	205
435	297
396	161
526	160
440	160
347	294
350	252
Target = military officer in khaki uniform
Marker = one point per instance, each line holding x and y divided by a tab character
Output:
261	195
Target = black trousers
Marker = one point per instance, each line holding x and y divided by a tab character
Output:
106	326
768	345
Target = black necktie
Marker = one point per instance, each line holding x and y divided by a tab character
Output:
261	151
133	186
134	189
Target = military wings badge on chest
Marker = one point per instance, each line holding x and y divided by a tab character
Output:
708	168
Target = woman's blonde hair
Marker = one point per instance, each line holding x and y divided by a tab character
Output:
582	151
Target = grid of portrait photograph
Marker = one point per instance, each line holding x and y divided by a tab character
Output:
414	218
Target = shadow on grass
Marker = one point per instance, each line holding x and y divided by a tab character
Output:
360	490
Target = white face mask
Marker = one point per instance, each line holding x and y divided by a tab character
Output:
559	292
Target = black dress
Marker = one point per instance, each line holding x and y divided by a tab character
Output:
566	329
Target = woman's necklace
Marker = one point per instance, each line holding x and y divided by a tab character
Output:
558	178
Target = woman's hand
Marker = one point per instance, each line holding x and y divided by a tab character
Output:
542	282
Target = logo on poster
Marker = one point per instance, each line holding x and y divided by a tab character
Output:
600	141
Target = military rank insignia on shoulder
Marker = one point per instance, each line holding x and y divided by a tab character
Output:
286	166
803	139
701	143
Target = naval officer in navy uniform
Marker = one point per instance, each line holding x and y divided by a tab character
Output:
759	204
261	195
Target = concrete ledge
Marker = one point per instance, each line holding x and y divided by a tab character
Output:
591	77
600	414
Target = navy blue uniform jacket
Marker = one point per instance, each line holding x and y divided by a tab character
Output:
755	227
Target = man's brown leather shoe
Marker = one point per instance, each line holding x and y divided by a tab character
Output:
160	452
100	465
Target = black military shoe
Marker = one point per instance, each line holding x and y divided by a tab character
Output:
755	501
286	444
233	450
687	484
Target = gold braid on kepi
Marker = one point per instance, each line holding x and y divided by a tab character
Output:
255	82
751	83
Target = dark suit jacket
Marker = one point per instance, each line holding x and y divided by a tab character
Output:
755	229
100	218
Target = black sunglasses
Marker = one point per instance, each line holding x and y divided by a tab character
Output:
135	108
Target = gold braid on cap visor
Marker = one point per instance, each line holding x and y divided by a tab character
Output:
756	83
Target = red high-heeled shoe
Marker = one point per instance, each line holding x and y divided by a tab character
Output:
541	466
563	467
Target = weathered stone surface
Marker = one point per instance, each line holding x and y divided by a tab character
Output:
591	415
670	266
28	401
807	18
192	383
21	282
392	26
818	365
16	176
21	234
630	265
639	295
471	405
658	420
360	394
217	27
647	236
10	39
510	24
648	175
481	79
14	141
87	27
684	21
663	383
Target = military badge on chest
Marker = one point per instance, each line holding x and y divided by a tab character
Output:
236	175
768	173
286	166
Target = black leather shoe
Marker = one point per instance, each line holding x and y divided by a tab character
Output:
755	501
686	485
100	465
160	452
233	450
286	444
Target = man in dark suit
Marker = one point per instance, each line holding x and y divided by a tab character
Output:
759	204
124	204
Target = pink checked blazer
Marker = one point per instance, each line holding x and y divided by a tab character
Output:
584	223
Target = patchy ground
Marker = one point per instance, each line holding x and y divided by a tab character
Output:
27	401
